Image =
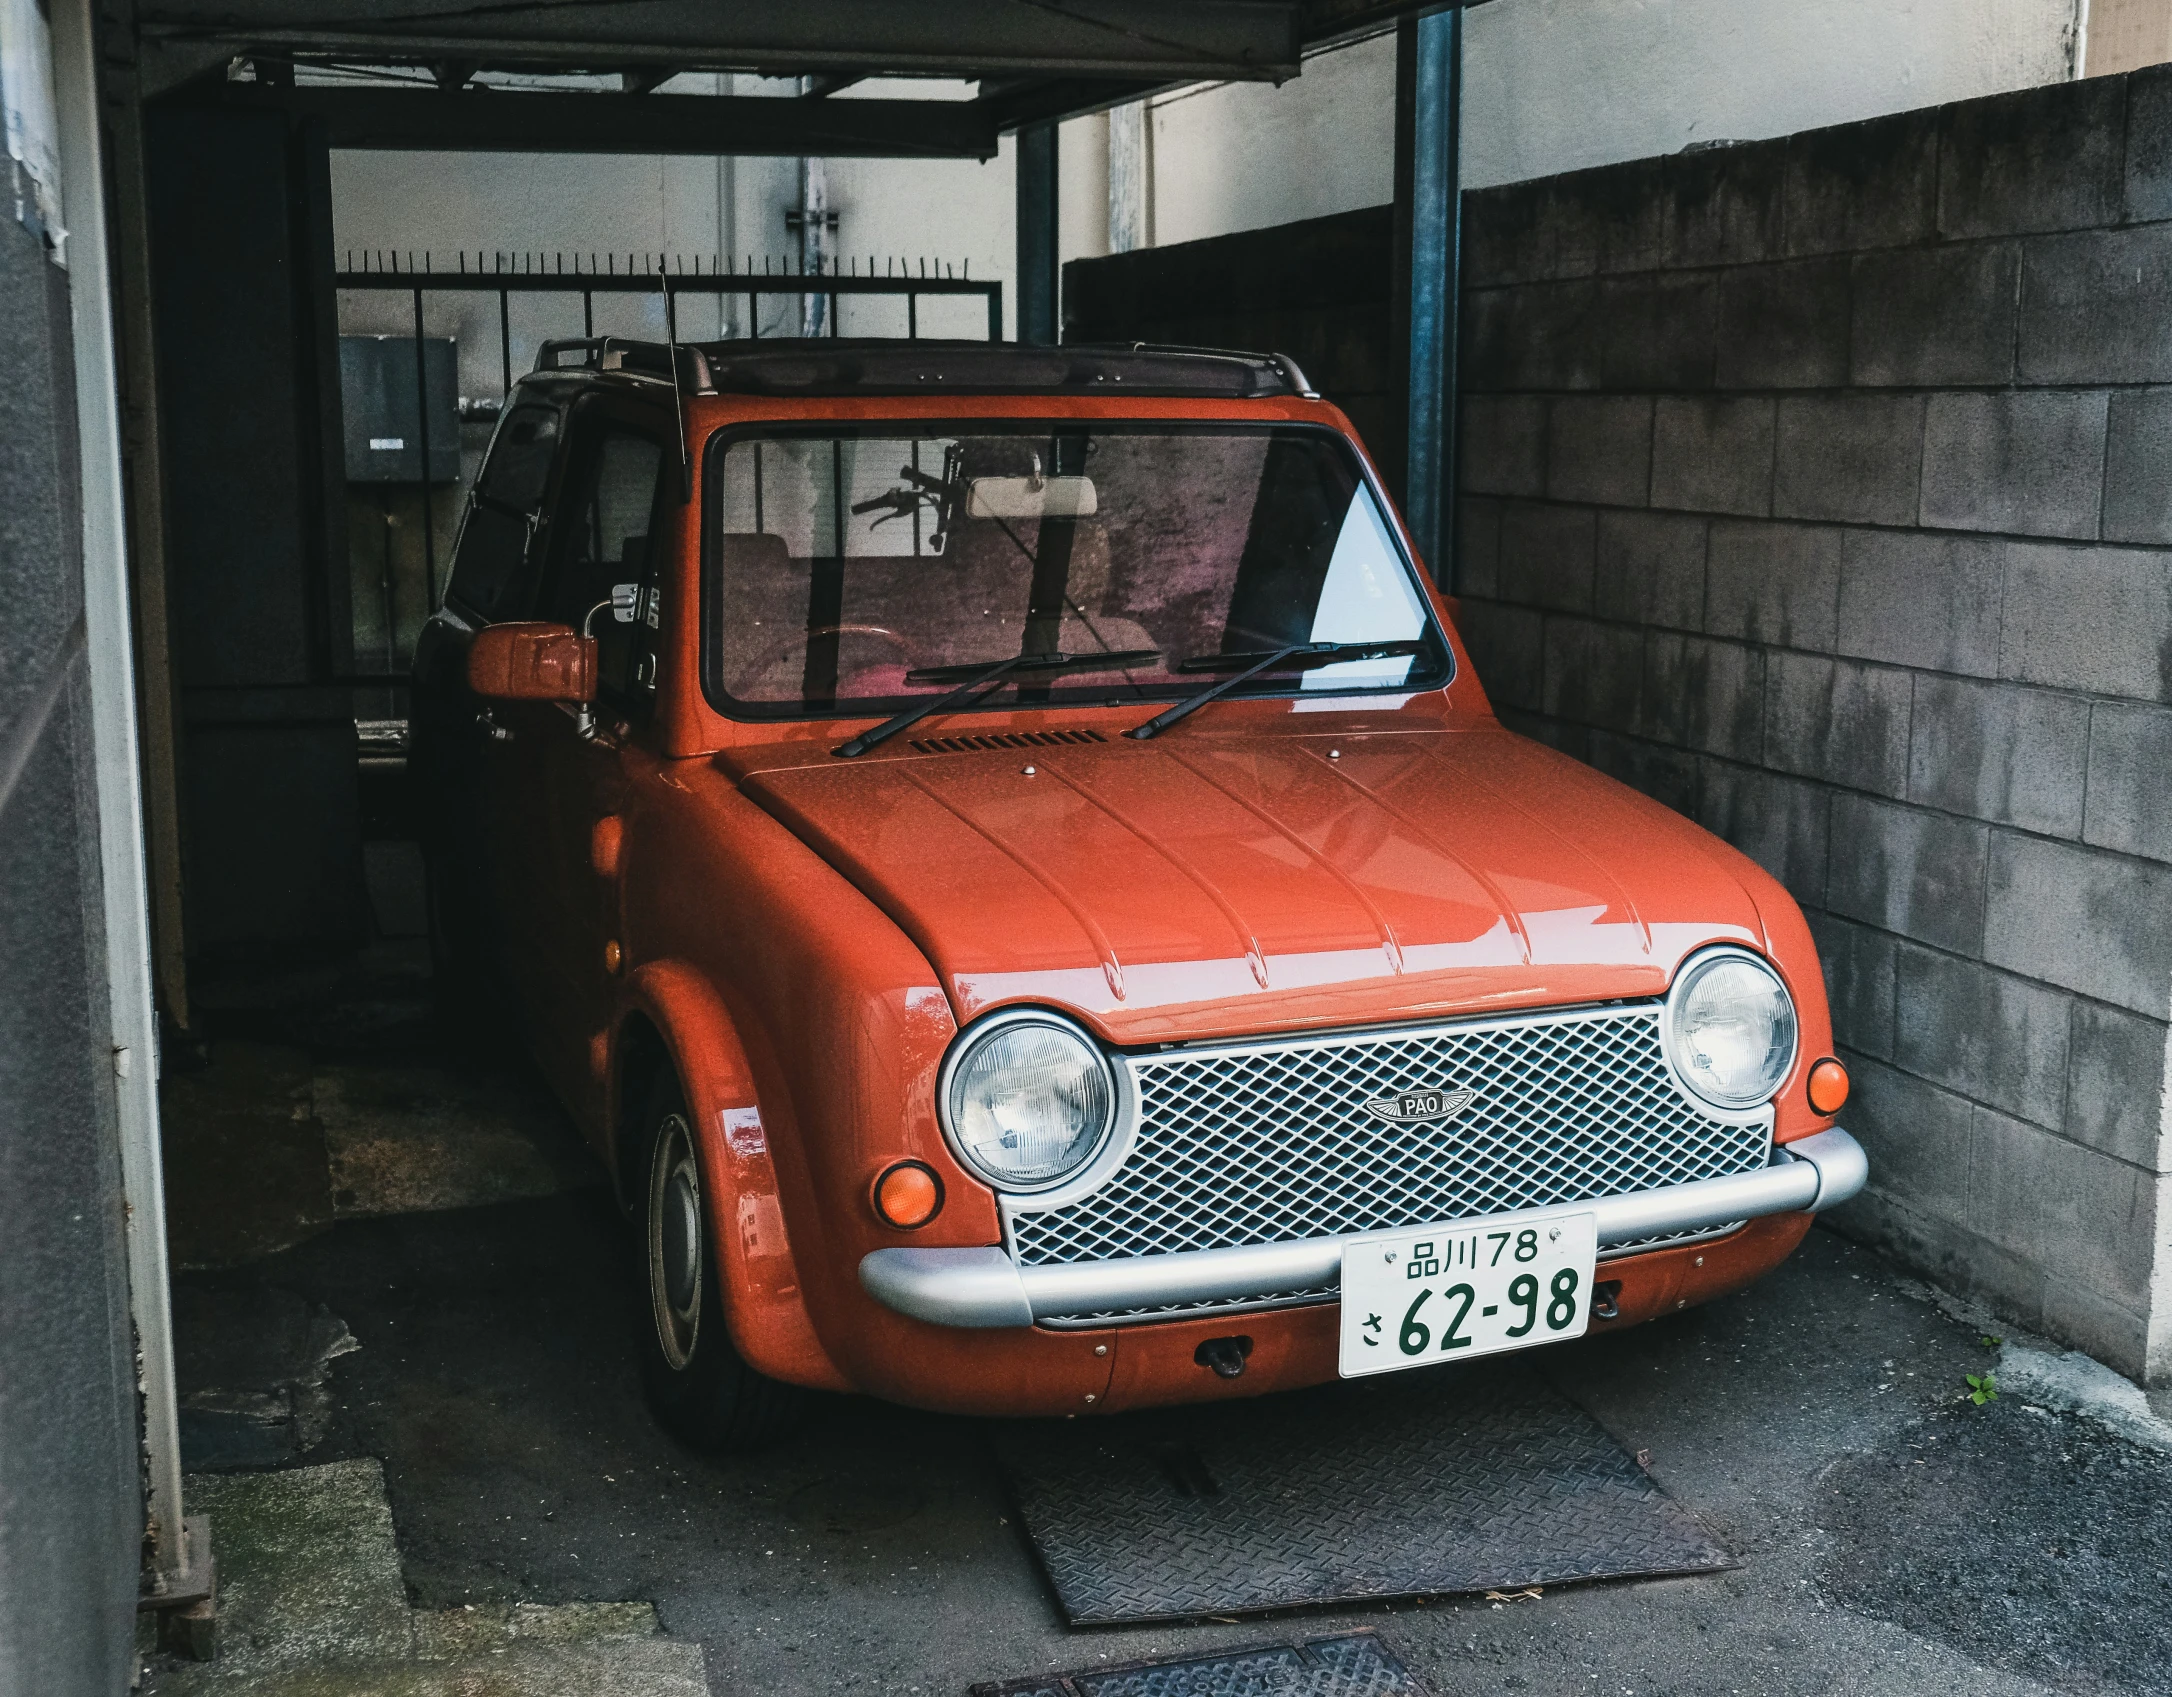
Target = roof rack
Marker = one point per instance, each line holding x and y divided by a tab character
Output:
842	366
833	365
623	355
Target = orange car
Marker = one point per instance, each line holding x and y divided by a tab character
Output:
1005	855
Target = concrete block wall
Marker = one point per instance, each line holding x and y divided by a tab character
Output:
1317	290
1822	488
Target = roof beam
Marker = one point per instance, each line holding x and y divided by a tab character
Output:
1159	40
1013	105
1326	22
503	121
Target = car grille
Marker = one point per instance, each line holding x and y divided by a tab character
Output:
1271	1142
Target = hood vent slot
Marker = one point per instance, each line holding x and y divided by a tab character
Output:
1004	739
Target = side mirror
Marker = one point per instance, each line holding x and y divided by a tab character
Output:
532	662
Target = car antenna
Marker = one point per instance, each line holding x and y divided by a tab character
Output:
678	393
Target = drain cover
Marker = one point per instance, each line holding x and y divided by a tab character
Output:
1355	1666
1445	1481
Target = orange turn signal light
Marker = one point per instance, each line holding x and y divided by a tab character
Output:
1828	1086
908	1196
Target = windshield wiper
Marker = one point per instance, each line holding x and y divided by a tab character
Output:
1265	660
990	678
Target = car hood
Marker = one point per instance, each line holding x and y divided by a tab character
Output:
1201	886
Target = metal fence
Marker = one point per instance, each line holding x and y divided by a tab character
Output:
497	308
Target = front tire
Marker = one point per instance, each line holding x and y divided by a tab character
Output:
699	1386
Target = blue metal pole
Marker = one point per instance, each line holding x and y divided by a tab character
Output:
1436	263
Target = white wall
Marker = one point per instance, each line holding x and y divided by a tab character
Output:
1241	156
1082	191
555	203
1555	85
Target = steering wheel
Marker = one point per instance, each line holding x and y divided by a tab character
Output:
798	640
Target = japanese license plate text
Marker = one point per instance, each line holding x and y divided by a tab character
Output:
1448	1293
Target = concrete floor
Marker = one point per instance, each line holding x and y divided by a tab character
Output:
1893	1536
312	1604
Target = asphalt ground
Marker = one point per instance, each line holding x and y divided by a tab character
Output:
1893	1536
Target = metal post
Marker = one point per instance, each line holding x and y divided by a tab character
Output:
422	443
1433	85
110	646
1129	191
814	237
1037	272
505	338
142	451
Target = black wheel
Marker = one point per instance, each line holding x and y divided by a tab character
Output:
700	1388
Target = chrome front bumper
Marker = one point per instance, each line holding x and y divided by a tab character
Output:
986	1288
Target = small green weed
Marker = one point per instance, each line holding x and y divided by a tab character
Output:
1990	1342
1981	1388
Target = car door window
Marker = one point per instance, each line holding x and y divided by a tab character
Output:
487	574
602	539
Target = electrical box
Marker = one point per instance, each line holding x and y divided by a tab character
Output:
385	429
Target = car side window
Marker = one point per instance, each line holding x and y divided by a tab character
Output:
601	539
503	509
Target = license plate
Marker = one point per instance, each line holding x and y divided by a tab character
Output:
1447	1293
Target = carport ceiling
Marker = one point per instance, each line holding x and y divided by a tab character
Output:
1033	60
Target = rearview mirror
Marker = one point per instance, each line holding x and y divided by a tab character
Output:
1030	498
532	662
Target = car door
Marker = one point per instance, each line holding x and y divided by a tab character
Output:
607	509
462	753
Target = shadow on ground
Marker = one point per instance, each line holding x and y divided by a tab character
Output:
2037	1538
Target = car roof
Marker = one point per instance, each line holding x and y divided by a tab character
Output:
824	366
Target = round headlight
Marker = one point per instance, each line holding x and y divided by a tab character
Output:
1029	1102
1731	1029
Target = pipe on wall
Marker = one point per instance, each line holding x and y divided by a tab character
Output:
1429	101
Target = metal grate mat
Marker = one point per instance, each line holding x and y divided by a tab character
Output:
1357	1664
1441	1481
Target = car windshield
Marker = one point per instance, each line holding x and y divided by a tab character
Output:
860	571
